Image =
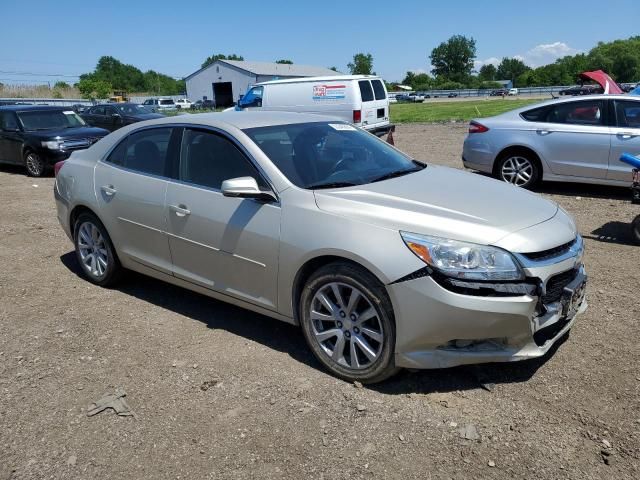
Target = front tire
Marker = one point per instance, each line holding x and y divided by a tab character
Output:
348	322
520	169
34	164
95	252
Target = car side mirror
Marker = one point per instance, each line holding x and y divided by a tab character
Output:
246	187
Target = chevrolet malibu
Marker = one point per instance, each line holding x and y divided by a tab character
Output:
384	261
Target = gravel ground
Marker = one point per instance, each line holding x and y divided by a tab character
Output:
219	392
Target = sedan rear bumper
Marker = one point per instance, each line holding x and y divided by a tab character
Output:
437	328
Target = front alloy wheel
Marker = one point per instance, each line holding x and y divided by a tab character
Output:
35	164
348	322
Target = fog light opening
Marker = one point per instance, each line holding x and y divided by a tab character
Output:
475	345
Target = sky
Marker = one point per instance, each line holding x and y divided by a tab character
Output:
44	41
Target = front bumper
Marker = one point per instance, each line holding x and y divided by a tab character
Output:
51	157
438	328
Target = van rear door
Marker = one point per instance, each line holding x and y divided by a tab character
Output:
375	105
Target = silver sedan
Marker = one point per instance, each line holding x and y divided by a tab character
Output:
569	140
385	262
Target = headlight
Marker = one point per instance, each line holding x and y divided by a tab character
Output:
463	260
52	144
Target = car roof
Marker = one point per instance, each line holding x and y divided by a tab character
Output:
554	101
329	78
28	108
243	120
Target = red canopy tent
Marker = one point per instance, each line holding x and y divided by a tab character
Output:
605	81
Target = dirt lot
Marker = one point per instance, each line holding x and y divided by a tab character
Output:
219	392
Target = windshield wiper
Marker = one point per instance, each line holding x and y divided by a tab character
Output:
397	173
319	185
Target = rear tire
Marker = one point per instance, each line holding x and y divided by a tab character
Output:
34	164
521	169
635	230
95	252
347	320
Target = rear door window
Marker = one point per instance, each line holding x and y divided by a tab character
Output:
97	111
366	92
627	114
378	89
536	115
145	151
588	112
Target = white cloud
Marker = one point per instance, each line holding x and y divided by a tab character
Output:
478	64
547	53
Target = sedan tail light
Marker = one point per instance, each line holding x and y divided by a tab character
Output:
57	167
357	116
475	127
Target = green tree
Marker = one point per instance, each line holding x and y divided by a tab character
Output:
362	64
487	72
285	62
511	69
61	85
92	88
453	60
221	56
335	69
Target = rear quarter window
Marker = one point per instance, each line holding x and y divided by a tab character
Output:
536	115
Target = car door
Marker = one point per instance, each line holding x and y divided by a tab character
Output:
96	116
230	245
625	138
574	138
112	119
131	186
11	138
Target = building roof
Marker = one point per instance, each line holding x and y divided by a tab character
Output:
273	69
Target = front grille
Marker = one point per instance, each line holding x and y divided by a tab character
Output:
543	335
556	284
551	253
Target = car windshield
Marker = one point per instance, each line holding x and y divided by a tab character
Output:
330	155
132	109
50	119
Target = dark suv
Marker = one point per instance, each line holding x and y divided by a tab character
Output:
38	136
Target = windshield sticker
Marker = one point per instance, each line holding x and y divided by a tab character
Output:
69	112
329	92
343	127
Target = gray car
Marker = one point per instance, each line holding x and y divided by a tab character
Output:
568	140
385	262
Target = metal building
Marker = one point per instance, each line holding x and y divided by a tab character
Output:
224	81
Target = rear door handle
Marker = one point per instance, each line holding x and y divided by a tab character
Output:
543	131
108	190
180	210
626	135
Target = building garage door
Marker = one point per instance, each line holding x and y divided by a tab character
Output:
223	94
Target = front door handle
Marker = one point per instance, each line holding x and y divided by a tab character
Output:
108	190
543	132
180	210
626	135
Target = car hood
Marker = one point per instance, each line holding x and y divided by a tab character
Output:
68	133
444	202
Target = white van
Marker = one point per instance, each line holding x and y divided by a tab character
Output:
359	99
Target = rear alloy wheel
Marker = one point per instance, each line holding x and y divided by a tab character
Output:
34	163
519	170
347	321
95	251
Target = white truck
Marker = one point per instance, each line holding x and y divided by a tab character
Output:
359	99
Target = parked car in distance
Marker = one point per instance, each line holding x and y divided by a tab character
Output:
79	108
568	140
416	97
383	261
359	99
116	115
159	104
500	92
452	95
513	92
182	103
581	90
203	105
403	97
39	136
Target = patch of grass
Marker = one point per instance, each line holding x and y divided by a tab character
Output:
460	110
